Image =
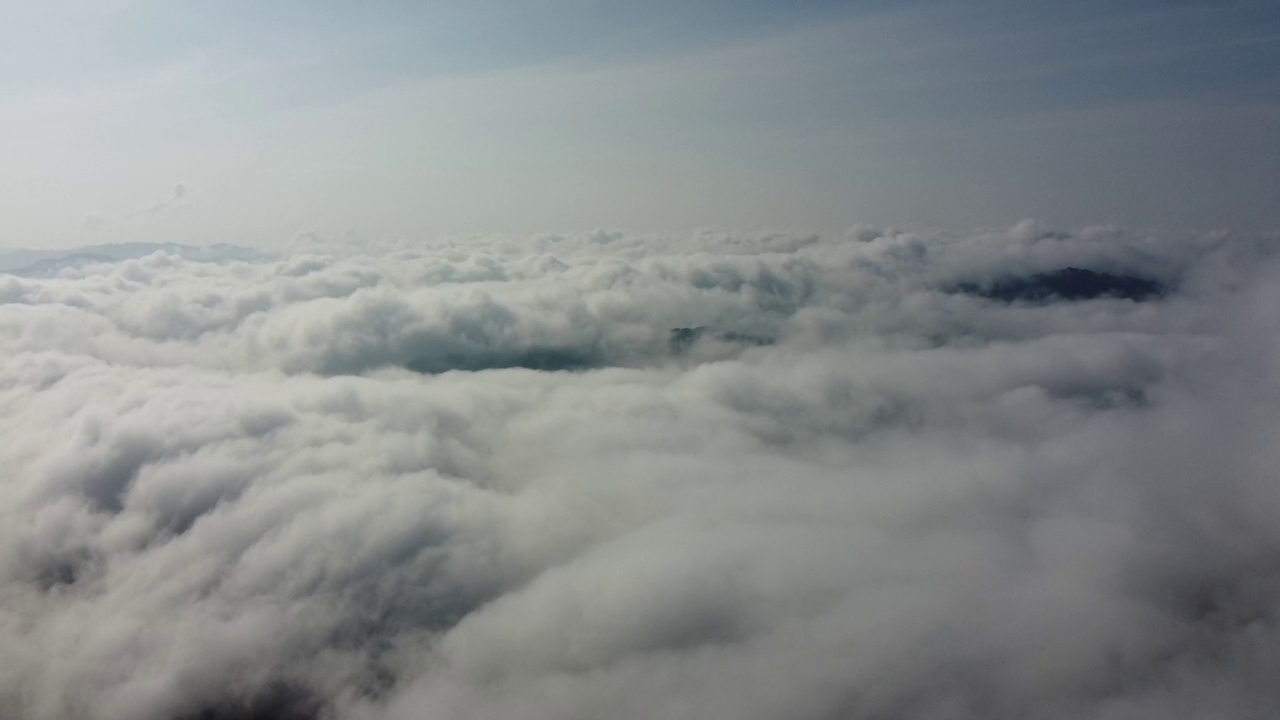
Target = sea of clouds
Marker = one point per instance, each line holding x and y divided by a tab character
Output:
495	479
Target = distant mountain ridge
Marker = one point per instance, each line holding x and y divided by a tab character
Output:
1071	283
43	262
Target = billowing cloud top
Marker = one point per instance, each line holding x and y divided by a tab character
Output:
611	476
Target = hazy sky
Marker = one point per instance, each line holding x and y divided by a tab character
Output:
252	122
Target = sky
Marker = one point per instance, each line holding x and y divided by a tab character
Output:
255	123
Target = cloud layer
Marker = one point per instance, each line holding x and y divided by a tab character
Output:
480	480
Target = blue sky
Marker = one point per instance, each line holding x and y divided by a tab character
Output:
253	122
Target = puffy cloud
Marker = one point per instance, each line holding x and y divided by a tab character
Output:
485	479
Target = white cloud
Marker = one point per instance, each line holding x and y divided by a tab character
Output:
855	493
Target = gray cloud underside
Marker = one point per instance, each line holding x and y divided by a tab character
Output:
228	493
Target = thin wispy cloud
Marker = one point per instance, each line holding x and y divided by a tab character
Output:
177	201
